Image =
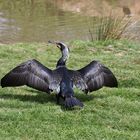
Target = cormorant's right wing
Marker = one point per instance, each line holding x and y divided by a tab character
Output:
31	73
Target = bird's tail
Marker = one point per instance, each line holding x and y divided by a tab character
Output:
71	102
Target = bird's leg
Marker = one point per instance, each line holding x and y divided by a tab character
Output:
57	98
63	97
85	91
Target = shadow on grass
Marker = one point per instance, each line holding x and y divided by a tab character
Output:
39	98
86	97
43	98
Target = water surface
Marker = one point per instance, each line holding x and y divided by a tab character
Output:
39	21
43	20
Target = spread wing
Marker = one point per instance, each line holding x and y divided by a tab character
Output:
77	79
93	77
31	73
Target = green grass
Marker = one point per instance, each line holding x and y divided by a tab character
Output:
108	114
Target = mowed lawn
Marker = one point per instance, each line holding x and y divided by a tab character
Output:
108	114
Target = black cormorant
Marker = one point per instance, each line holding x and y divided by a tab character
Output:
61	80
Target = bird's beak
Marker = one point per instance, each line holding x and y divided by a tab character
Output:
54	42
51	42
58	46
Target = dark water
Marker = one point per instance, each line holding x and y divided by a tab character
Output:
39	21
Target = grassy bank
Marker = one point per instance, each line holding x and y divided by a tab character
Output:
108	113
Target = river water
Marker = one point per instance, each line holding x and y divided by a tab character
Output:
39	21
42	20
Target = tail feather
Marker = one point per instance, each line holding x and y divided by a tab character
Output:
72	101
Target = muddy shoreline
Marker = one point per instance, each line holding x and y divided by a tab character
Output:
99	7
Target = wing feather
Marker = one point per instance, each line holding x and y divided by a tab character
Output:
31	73
77	79
93	77
96	75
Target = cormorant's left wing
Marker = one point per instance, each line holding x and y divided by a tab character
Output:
93	77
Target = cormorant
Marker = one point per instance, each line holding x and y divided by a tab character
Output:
61	80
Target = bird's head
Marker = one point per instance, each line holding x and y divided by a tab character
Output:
63	47
60	45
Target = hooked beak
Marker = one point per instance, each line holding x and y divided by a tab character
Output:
54	42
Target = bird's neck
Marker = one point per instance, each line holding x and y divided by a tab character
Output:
62	60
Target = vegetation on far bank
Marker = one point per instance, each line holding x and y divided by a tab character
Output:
108	113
